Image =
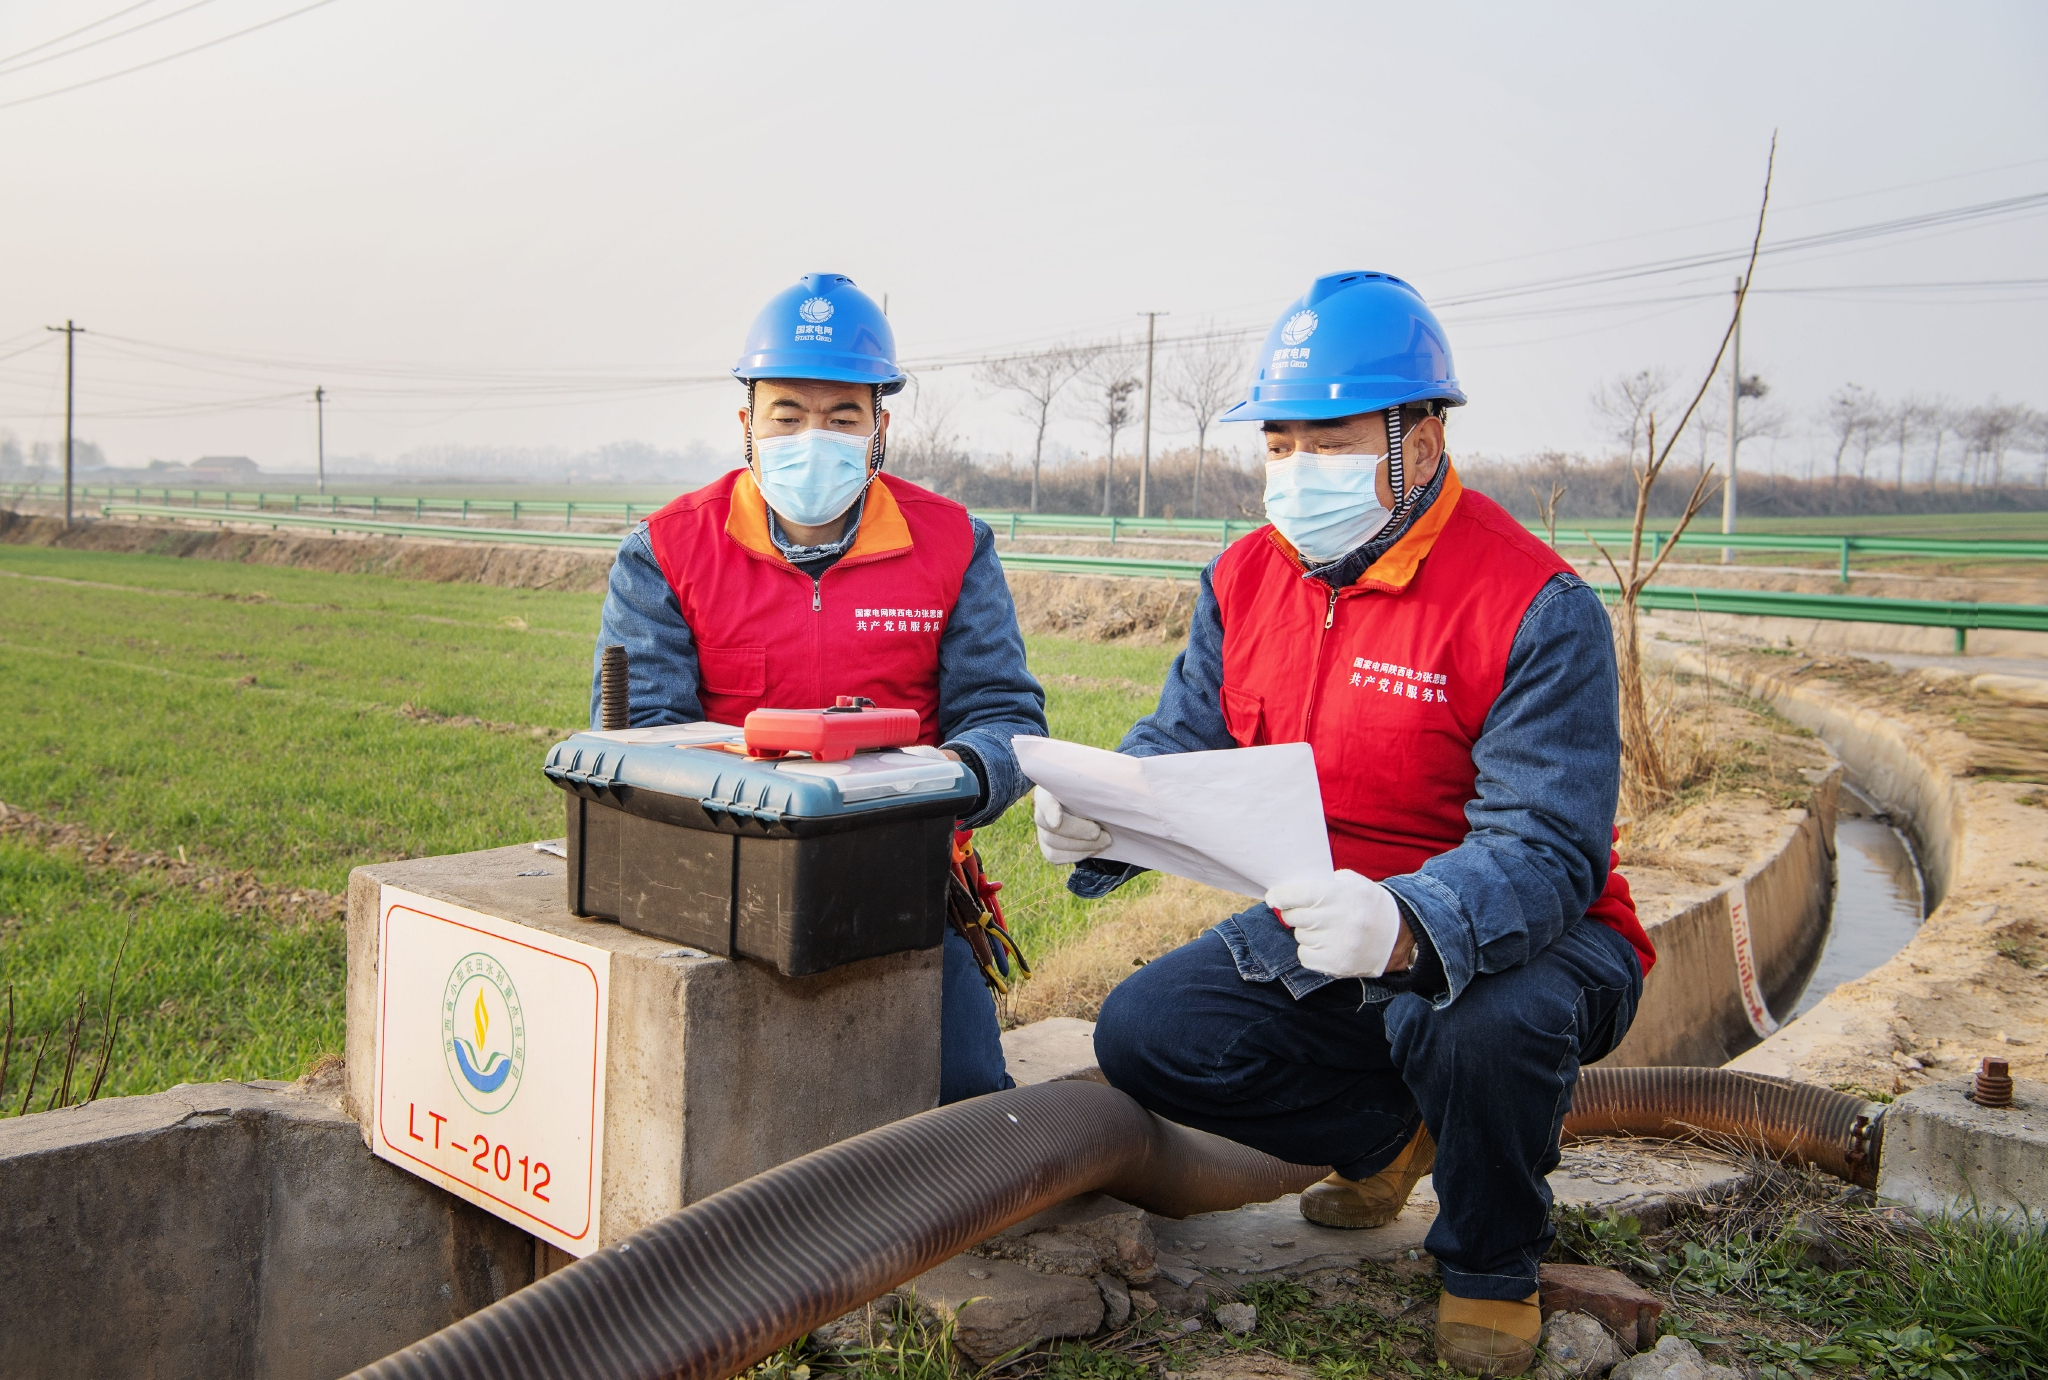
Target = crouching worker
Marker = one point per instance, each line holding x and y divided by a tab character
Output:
1427	1006
811	574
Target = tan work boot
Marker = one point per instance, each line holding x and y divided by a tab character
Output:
1341	1202
1488	1336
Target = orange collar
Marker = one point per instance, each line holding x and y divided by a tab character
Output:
883	528
1398	563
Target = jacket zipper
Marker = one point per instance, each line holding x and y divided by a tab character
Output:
1315	688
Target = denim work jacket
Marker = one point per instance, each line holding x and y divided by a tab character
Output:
1541	824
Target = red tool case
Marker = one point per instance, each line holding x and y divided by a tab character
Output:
853	724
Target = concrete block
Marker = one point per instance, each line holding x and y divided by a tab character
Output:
227	1230
715	1069
998	1305
1945	1154
1093	1234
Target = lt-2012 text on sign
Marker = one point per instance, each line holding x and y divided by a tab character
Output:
490	1063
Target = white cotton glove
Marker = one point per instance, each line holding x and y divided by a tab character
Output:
1344	924
1062	836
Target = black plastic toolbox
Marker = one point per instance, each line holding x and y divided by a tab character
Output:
802	864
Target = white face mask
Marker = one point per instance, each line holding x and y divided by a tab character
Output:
1325	505
814	476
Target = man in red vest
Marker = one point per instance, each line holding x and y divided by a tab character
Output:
811	574
1427	1005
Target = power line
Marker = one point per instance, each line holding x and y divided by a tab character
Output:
158	62
7	71
1725	220
1956	215
83	28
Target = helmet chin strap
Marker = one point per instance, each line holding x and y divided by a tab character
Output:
1397	475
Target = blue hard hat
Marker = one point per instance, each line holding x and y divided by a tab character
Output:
823	328
1357	342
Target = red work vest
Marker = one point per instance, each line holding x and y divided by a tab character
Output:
767	636
1391	678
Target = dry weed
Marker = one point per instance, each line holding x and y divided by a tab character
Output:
1103	610
1714	743
1073	978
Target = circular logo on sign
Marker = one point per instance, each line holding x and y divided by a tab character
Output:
816	310
483	1033
1299	327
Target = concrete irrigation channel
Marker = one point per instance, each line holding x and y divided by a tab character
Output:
250	1230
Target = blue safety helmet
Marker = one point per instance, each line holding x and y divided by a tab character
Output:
823	328
1357	342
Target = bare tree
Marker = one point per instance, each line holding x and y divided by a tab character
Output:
1991	430
1040	379
1625	403
1639	747
1201	379
1112	384
1903	425
1851	415
931	448
1546	508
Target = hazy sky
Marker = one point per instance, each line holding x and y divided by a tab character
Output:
523	224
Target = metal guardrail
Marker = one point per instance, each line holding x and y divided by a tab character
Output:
334	504
1113	528
1997	547
1115	566
1753	603
1223	530
1842	608
527	536
1024	560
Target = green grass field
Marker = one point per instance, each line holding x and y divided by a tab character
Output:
288	722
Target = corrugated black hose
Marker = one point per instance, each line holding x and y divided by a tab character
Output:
709	1290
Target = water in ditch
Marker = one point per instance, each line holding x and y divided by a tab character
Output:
1880	898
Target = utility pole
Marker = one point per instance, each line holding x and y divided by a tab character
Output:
1145	473
71	331
320	430
1734	431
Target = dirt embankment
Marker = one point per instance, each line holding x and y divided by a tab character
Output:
1100	610
410	558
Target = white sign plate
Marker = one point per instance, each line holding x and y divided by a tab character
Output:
490	1063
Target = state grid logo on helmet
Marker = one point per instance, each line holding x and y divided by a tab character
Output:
1299	327
815	311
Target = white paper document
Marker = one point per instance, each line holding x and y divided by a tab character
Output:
1242	819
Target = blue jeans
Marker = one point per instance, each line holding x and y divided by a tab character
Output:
970	1042
1214	1040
